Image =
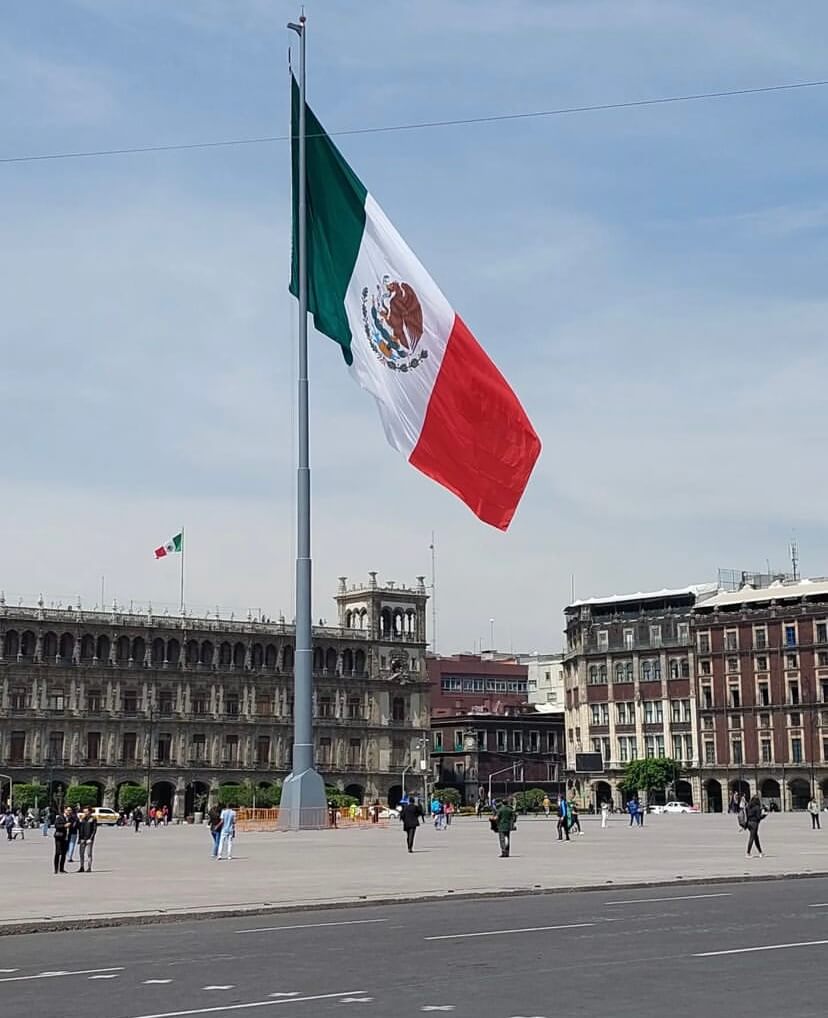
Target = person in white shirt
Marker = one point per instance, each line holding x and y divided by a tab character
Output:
604	813
228	832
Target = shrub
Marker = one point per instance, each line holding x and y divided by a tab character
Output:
530	801
235	795
130	797
448	795
82	795
340	799
24	796
268	797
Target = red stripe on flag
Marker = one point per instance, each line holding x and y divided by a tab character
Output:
160	552
476	439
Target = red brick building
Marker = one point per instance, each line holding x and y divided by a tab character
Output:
466	682
762	674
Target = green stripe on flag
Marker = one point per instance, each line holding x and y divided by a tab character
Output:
336	222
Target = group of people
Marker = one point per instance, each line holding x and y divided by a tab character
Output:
441	813
222	831
75	831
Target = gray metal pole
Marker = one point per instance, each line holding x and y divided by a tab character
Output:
303	805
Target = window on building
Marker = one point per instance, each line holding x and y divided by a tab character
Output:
619	672
823	685
231	749
791	661
93	701
629	639
796	749
325	756
517	741
674	668
263	750
735	720
707	695
437	741
683	632
707	722
500	740
199	703
704	643
56	700
793	691
19	699
602	673
705	668
354	750
199	748
129	746
790	635
628	672
709	751
603	639
766	750
761	663
627	748
163	749
646	671
593	675
649	746
398	709
822	659
93	747
821	632
731	639
732	665
595	714
17	748
130	702
655	636
825	749
231	705
735	696
354	708
324	707
764	693
760	638
678	747
736	751
653	712
165	703
534	742
55	747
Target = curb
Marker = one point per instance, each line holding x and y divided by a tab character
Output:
235	912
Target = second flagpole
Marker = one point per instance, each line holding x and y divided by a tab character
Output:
182	570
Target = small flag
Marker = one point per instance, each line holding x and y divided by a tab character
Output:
443	403
171	547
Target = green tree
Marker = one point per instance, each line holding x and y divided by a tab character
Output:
130	797
268	797
235	795
445	795
25	796
339	799
82	795
647	775
530	801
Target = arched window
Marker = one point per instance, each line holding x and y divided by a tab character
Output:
398	623
646	671
102	648
349	619
330	661
158	651
685	668
593	674
398	709
656	671
139	650
347	661
206	657
11	644
87	647
602	673
287	657
362	617
385	622
238	655
359	662
629	671
49	647
674	669
271	656
318	659
225	655
28	644
122	650
257	655
173	652
619	672
192	651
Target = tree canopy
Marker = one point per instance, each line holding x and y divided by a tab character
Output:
648	774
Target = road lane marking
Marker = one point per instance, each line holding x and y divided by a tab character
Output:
437	1007
54	975
156	982
766	947
111	975
823	904
313	926
294	994
498	933
356	1000
229	986
252	1003
8	970
673	897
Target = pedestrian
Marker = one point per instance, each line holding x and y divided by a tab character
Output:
87	829
214	820
754	816
61	840
137	817
332	813
72	825
228	832
8	823
505	825
574	819
411	816
547	805
604	814
813	809
632	809
640	810
44	823
375	812
563	818
436	808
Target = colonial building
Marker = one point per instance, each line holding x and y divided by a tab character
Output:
545	680
187	704
465	682
630	691
762	659
478	753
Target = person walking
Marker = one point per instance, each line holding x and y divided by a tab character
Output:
449	811
8	823
214	820
604	814
72	823
44	822
563	818
137	817
632	809
547	805
754	816
505	825
436	809
87	829
228	832
411	816
61	841
574	819
813	809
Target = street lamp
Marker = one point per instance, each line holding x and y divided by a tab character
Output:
149	761
491	634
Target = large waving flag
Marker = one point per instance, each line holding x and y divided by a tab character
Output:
443	403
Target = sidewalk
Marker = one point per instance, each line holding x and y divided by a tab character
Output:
169	872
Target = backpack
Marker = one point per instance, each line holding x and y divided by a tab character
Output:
742	819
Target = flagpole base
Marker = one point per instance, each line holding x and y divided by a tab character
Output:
304	805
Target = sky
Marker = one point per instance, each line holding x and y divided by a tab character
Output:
650	280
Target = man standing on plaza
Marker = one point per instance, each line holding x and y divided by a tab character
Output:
87	828
505	826
411	815
813	809
228	832
563	818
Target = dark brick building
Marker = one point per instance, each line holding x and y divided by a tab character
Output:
466	682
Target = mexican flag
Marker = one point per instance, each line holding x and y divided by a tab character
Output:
171	547
442	402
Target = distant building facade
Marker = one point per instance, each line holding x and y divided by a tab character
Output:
110	698
468	682
545	680
507	752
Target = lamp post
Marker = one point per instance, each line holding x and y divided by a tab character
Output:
491	634
152	716
494	774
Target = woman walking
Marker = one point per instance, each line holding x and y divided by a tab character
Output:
754	818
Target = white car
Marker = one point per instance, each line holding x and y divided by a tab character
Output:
105	815
674	807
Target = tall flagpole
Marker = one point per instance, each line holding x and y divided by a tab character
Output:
303	805
182	570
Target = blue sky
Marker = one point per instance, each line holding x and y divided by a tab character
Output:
651	281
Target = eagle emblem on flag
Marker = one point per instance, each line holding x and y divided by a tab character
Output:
392	317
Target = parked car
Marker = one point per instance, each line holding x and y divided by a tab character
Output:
674	807
105	815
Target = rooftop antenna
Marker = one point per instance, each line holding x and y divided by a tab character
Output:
793	547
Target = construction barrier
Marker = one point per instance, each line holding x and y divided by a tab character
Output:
248	819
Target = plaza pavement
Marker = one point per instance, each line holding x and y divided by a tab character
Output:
170	873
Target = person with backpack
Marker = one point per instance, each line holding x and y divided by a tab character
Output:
754	815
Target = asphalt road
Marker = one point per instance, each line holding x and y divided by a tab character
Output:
756	949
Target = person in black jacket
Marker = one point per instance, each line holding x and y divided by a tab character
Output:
754	818
411	816
87	828
61	840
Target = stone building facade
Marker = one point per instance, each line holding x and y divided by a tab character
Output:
762	663
629	673
109	698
